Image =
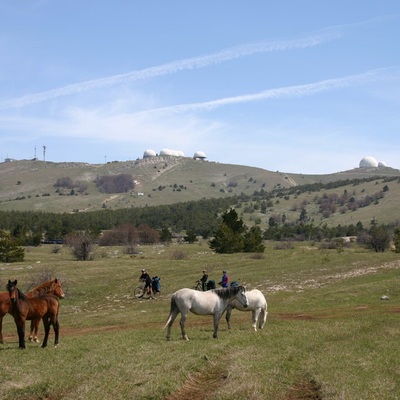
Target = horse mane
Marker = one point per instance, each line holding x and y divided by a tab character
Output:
229	292
21	295
43	288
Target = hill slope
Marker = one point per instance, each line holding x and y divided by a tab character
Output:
29	185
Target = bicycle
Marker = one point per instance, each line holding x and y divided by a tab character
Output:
198	286
140	294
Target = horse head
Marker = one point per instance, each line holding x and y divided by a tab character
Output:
241	296
12	290
58	291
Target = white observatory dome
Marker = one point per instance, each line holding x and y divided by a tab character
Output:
169	152
149	153
199	154
382	164
166	152
368	162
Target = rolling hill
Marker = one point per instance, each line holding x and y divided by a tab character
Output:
30	185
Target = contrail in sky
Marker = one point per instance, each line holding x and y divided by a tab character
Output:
175	66
288	92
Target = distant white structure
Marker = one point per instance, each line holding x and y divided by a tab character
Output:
149	153
368	162
199	155
173	153
371	162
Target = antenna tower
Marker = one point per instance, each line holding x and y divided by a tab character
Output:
44	153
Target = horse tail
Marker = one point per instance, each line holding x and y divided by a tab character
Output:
174	310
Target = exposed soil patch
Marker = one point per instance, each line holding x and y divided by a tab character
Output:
199	385
306	389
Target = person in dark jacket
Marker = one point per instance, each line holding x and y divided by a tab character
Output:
145	277
203	280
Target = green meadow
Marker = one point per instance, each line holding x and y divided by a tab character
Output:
328	334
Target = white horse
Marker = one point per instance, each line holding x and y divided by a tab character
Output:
212	302
257	304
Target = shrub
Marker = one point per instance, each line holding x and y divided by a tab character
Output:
10	251
178	255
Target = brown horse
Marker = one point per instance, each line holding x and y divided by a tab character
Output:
44	307
53	286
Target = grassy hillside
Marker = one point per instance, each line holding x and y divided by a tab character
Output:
328	333
383	210
29	185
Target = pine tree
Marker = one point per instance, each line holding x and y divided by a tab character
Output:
232	236
10	251
253	239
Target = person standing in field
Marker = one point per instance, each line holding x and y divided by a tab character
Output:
224	280
145	277
203	280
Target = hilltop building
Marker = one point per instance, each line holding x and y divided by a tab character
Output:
371	162
199	155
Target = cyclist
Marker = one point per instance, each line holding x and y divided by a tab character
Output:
203	280
145	277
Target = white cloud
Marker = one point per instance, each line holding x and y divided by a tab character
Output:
173	67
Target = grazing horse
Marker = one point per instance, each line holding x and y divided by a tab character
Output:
257	305
53	286
44	307
213	302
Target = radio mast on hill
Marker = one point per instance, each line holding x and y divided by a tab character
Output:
44	153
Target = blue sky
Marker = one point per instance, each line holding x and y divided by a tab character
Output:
296	86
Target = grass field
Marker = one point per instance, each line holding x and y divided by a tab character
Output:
328	334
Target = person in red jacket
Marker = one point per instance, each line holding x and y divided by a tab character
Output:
224	280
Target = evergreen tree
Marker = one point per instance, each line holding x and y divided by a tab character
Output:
253	239
232	236
190	236
9	249
379	238
396	240
226	241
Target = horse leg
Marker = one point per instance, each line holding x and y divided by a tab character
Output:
263	318
228	316
56	327
1	329
182	324
217	317
255	315
46	324
34	330
21	332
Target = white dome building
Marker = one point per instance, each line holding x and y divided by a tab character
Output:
199	155
382	164
166	152
149	153
174	153
368	162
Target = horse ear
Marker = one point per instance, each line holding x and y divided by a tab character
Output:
15	282
55	280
